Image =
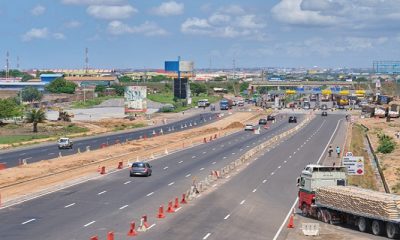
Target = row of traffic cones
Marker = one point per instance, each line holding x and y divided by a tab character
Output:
172	207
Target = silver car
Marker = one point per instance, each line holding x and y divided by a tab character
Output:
140	169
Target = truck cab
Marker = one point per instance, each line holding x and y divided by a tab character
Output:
314	176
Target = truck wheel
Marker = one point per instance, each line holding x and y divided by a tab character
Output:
377	227
319	215
304	210
362	224
391	231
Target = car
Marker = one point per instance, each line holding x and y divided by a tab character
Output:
140	169
292	119
65	143
249	127
270	118
262	121
324	107
324	114
240	103
341	107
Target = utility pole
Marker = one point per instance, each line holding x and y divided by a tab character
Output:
17	62
86	60
234	68
7	65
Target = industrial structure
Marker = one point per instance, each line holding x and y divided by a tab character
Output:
386	67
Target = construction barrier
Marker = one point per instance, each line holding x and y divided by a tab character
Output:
3	166
103	170
170	208
110	236
132	230
94	238
120	165
161	212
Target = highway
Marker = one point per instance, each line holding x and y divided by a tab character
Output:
113	201
50	150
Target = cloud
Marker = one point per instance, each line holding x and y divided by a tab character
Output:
147	29
111	12
38	10
93	2
228	22
58	36
35	33
73	24
169	8
290	11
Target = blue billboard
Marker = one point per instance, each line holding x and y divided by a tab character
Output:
171	66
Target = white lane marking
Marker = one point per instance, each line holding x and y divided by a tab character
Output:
180	162
264	181
166	168
214	185
294	153
151	226
148	195
51	154
25	158
30	220
279	167
227	216
69	205
298	149
233	153
188	175
272	173
285	161
170	184
214	163
22	154
297	199
193	156
213	149
247	146
241	149
204	152
88	224
224	157
206	236
125	206
254	190
290	156
101	192
243	201
201	169
179	208
127	182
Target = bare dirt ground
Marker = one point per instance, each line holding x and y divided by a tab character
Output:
390	162
33	178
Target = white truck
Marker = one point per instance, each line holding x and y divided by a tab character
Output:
324	194
65	143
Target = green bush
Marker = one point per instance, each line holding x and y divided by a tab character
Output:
386	144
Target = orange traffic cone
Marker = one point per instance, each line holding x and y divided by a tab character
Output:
161	212
176	205
132	230
291	222
183	201
170	208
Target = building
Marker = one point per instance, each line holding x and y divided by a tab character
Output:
49	77
92	81
386	67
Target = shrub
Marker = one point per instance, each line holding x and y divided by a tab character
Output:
386	144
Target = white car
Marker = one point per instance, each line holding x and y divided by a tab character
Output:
249	127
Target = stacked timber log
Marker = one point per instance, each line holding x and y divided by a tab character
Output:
361	201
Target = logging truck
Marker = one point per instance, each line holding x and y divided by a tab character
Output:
324	195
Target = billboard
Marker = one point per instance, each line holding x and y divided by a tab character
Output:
171	66
354	164
186	66
135	99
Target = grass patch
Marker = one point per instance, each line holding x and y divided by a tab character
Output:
357	147
165	97
128	126
20	138
72	128
91	102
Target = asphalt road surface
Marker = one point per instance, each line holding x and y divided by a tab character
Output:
50	150
112	201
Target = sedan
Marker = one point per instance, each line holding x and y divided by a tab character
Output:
324	114
262	121
292	119
270	118
249	127
140	169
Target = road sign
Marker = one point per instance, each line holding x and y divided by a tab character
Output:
349	154
354	164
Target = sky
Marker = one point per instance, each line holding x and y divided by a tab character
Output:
253	33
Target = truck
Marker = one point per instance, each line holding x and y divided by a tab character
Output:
324	194
394	111
203	103
64	143
313	97
225	104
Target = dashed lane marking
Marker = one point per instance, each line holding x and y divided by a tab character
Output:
125	206
69	205
151	226
180	162
193	156
201	169
188	175
227	216
170	184
243	201
148	195
88	224
254	190
179	208
166	168
206	236
279	167
214	163
127	182
272	173
100	193
30	220
264	181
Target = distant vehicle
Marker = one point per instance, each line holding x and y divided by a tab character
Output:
324	107
203	103
240	103
292	119
363	103
65	143
249	127
324	114
225	104
270	118
325	97
341	107
306	105
262	121
313	97
140	169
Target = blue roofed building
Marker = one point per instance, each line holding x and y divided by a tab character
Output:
49	77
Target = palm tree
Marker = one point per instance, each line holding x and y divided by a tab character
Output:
35	116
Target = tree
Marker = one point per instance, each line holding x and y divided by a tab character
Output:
244	86
60	85
9	108
16	73
159	78
35	116
198	88
125	79
119	89
100	88
31	94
